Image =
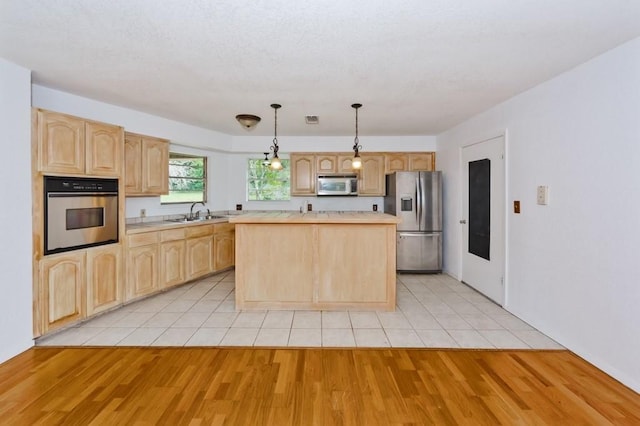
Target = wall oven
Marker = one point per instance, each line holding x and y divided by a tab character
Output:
79	212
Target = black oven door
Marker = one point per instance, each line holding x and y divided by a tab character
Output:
78	220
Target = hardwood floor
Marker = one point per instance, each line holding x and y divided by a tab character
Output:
249	386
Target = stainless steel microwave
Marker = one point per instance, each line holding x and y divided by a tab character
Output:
337	185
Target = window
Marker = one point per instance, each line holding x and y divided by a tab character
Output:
266	184
187	179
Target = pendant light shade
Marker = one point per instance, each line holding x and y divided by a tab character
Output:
275	160
356	163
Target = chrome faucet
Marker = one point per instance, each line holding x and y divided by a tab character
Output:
191	210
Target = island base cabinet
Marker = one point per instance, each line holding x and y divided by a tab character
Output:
280	270
104	278
62	283
315	266
364	246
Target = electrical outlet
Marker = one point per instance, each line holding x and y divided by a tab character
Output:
238	206
309	207
516	207
375	207
143	213
543	195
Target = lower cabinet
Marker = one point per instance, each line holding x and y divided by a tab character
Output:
104	278
172	263
199	257
62	284
224	250
142	271
77	284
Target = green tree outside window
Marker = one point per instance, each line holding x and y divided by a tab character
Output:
266	184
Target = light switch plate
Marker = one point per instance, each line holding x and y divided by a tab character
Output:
543	195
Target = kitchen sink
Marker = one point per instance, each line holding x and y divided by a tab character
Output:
195	219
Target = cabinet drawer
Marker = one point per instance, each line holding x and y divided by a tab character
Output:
144	239
223	227
172	235
199	231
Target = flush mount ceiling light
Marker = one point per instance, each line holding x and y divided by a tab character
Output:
356	163
248	121
275	161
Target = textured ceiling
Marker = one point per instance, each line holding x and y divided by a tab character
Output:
418	66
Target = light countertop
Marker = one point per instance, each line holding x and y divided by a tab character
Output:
328	217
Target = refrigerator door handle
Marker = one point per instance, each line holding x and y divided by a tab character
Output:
419	198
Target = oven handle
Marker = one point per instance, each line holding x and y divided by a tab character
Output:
84	194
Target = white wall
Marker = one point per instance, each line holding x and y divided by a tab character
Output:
572	266
15	214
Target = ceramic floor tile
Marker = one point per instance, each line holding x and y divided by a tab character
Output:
335	320
305	337
162	320
174	337
240	337
465	308
370	338
249	320
490	308
191	319
393	320
207	337
226	307
536	340
278	319
151	305
307	319
503	339
481	322
134	319
71	337
205	306
179	305
437	339
403	338
272	337
220	319
364	320
470	339
109	337
452	322
216	294
338	338
194	294
224	286
422	321
511	322
105	320
142	336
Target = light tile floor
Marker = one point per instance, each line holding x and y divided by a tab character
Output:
432	311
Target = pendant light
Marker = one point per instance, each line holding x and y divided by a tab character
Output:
275	161
356	163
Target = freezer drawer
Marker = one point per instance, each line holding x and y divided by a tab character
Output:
419	252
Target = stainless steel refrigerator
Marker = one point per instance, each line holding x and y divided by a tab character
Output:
416	198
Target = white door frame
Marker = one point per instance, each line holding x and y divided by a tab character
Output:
489	136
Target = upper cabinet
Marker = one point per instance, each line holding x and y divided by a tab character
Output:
409	162
333	163
71	145
146	165
371	179
303	174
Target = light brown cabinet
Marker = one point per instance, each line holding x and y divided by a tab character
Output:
172	257
303	174
199	257
223	247
146	165
409	162
62	294
333	163
142	264
71	145
422	162
371	176
104	278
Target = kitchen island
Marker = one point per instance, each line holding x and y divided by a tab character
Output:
316	261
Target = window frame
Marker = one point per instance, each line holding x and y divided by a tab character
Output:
204	179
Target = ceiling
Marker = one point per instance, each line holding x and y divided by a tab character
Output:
418	66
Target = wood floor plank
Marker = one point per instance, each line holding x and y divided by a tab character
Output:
232	386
